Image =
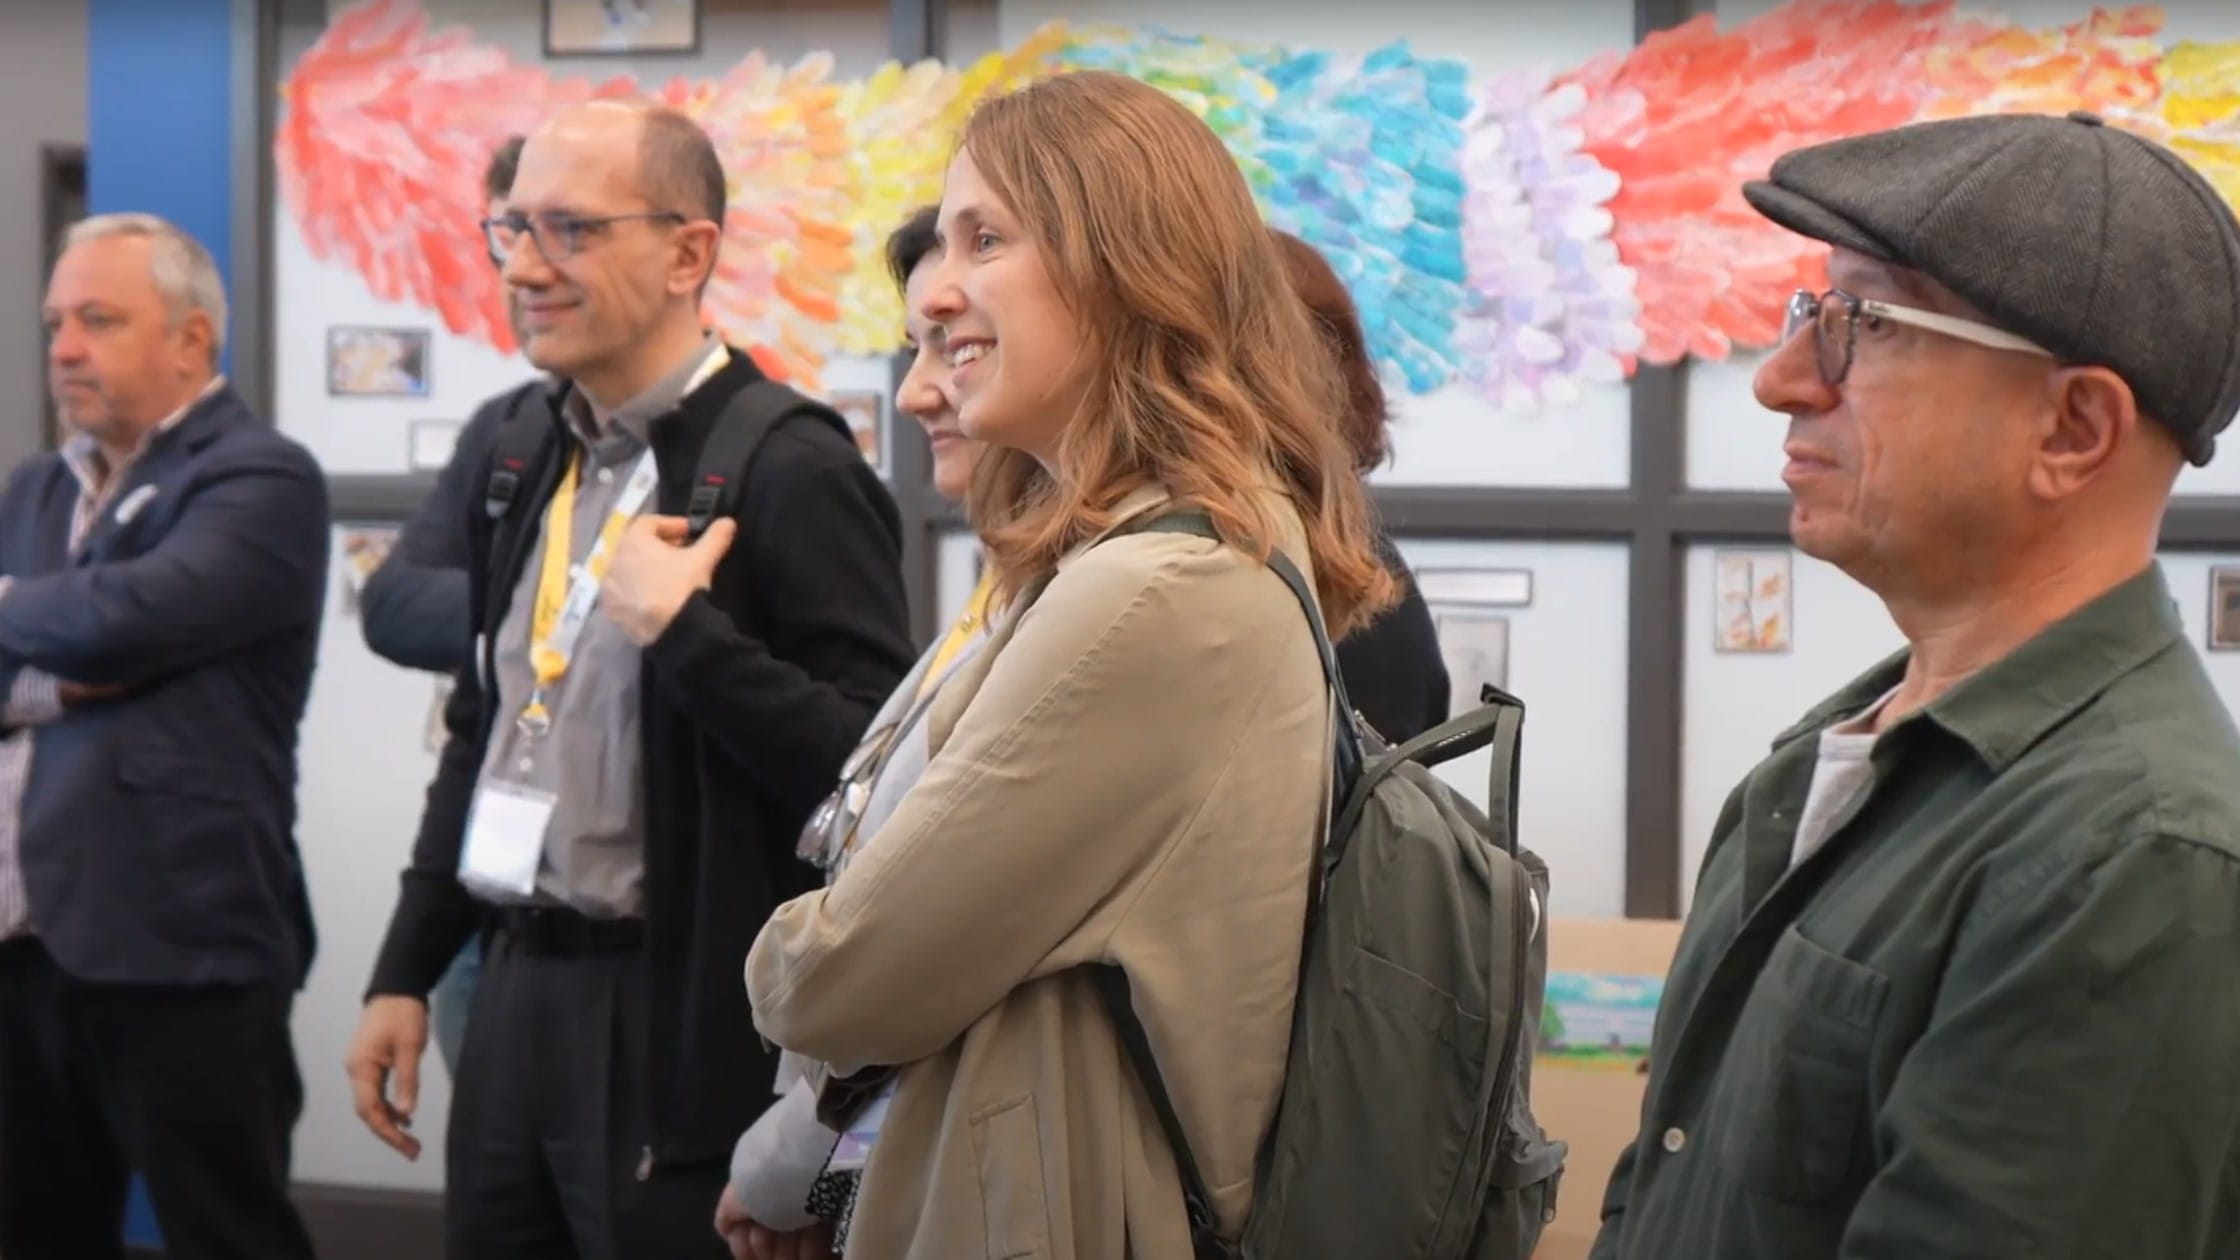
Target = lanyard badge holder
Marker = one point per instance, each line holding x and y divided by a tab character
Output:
504	846
567	593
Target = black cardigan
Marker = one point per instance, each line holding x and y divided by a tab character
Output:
752	698
1392	667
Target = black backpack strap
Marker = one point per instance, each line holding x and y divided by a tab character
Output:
752	415
1206	1242
522	438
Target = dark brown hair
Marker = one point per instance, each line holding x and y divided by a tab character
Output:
505	163
1366	423
908	245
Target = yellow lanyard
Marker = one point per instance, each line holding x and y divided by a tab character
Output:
549	659
967	624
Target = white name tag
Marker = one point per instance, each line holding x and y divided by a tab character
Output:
505	839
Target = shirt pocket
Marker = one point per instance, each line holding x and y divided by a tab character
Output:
1796	1085
1007	1143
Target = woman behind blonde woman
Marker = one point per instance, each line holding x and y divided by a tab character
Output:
1133	769
792	1177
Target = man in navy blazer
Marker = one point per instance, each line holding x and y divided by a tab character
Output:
161	584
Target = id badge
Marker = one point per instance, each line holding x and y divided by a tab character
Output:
505	839
853	1150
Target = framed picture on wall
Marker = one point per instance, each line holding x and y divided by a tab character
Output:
865	410
363	550
621	28
1476	588
2224	609
430	444
1752	601
377	362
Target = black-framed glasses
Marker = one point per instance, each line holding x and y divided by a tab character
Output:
1835	317
558	236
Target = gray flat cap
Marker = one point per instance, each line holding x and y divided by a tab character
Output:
2101	246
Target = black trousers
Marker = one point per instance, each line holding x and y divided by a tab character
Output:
195	1089
546	1152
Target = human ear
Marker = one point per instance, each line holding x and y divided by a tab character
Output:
2091	415
694	263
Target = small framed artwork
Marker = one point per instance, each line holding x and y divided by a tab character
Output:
1752	601
865	410
2224	609
621	28
1476	588
1475	649
377	362
432	442
363	550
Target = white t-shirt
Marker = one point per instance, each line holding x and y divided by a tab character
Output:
1842	776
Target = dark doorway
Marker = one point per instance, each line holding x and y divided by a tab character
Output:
62	202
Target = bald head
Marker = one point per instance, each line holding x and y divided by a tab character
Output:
676	167
623	200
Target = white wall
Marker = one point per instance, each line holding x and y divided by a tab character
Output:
364	770
1734	704
43	62
1567	662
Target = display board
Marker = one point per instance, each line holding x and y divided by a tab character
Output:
1505	319
389	321
1481	258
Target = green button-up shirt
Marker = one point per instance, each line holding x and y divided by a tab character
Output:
1997	1013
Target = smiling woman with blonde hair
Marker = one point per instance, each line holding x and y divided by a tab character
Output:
1130	778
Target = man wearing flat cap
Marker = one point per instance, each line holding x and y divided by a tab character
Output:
1962	973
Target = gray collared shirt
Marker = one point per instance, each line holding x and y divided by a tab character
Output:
594	846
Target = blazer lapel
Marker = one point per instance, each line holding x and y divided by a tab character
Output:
142	493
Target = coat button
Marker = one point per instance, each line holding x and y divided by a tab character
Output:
1674	1139
645	1163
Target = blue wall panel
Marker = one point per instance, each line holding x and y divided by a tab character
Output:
159	111
160	79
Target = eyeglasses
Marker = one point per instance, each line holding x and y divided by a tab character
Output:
558	236
1835	315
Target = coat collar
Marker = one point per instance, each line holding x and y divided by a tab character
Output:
2008	706
193	421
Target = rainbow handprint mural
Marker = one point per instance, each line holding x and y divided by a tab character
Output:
1526	234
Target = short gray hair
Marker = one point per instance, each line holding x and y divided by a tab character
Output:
185	273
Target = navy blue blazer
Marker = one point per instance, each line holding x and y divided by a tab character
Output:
158	827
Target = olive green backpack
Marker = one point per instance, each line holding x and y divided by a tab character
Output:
1405	1130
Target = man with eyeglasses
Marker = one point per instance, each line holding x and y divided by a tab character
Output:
1962	973
652	717
414	609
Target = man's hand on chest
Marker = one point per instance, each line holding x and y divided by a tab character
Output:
655	571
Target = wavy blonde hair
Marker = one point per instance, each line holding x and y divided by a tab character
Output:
1209	374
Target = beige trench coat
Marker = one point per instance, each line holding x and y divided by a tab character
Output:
1131	772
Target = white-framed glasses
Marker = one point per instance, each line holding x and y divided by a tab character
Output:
1834	318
